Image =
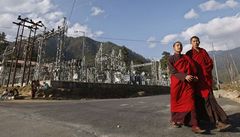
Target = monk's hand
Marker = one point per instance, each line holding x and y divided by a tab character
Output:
189	78
195	78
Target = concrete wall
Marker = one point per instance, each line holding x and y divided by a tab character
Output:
103	90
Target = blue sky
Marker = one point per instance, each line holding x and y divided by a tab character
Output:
148	27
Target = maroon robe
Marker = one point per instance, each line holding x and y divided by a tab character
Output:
205	65
181	90
206	104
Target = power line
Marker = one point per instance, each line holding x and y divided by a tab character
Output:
70	15
6	28
133	40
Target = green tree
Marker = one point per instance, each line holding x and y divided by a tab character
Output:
164	59
2	37
3	42
125	54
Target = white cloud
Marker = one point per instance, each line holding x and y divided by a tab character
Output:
151	41
78	30
6	18
98	33
219	31
169	38
191	14
26	6
11	29
36	10
214	5
43	10
53	16
96	11
232	3
186	48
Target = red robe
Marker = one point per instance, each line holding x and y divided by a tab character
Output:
204	65
182	91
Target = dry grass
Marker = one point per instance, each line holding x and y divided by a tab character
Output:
23	91
230	87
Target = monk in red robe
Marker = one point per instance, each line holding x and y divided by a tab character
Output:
206	104
183	74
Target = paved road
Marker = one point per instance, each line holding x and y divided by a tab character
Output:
133	117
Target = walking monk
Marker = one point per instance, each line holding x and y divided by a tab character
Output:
183	74
206	104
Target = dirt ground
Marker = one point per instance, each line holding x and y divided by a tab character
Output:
230	87
23	91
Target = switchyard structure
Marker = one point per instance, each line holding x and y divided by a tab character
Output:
18	67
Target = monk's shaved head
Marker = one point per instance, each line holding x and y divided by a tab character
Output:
176	43
194	37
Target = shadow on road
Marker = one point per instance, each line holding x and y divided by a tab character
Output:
235	122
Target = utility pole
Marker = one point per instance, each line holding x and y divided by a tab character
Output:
83	45
42	44
83	54
15	47
230	69
215	67
42	41
26	56
83	42
234	64
101	57
18	48
36	25
59	55
23	24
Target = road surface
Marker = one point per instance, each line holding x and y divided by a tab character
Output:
132	117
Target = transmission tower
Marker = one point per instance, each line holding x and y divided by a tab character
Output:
59	56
